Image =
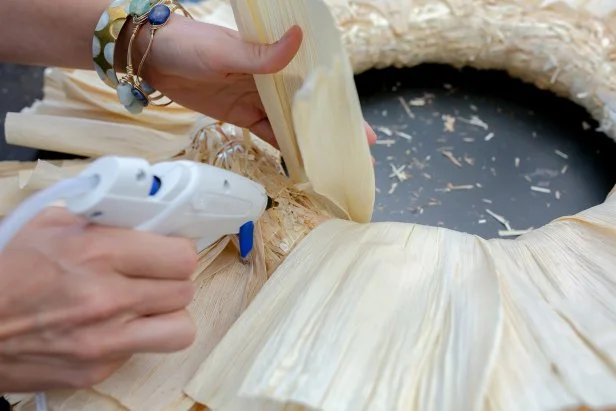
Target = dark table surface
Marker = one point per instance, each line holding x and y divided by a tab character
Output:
455	146
521	153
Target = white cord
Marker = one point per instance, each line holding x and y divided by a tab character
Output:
41	401
27	210
33	205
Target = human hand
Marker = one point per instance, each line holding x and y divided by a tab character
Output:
77	301
209	69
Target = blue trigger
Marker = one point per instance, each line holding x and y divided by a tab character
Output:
246	236
156	183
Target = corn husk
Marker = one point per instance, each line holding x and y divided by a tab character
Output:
384	316
225	286
395	316
317	76
460	322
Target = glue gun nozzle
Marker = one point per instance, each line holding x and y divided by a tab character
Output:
270	203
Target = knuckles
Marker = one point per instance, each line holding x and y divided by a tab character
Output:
100	301
101	251
53	216
88	350
94	249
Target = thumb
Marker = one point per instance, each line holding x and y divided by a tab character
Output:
233	55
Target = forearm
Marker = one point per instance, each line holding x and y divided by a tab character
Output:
49	32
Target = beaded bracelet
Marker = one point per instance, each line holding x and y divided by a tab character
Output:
134	93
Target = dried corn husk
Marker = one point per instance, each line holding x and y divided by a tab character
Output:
403	317
395	316
317	76
225	286
461	324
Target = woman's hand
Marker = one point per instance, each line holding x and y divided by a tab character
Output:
77	301
209	69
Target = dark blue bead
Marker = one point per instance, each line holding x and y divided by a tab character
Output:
159	15
141	98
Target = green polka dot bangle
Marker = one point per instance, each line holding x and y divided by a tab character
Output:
106	33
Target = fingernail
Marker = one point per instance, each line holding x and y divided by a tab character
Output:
286	35
284	38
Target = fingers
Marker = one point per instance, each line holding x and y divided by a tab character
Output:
225	52
57	218
159	296
158	334
110	340
101	314
144	255
33	374
371	137
263	129
164	333
370	133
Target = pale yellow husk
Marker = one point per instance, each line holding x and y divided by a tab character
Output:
225	286
378	317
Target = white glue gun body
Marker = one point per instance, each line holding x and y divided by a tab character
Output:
180	198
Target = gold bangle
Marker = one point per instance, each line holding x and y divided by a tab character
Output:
158	17
106	33
133	93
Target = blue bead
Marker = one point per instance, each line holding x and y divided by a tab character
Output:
138	7
159	15
141	98
134	108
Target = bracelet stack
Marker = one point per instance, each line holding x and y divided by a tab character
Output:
134	93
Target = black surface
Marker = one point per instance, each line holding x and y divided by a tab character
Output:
527	123
4	405
19	87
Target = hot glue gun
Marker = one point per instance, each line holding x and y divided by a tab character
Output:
178	198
